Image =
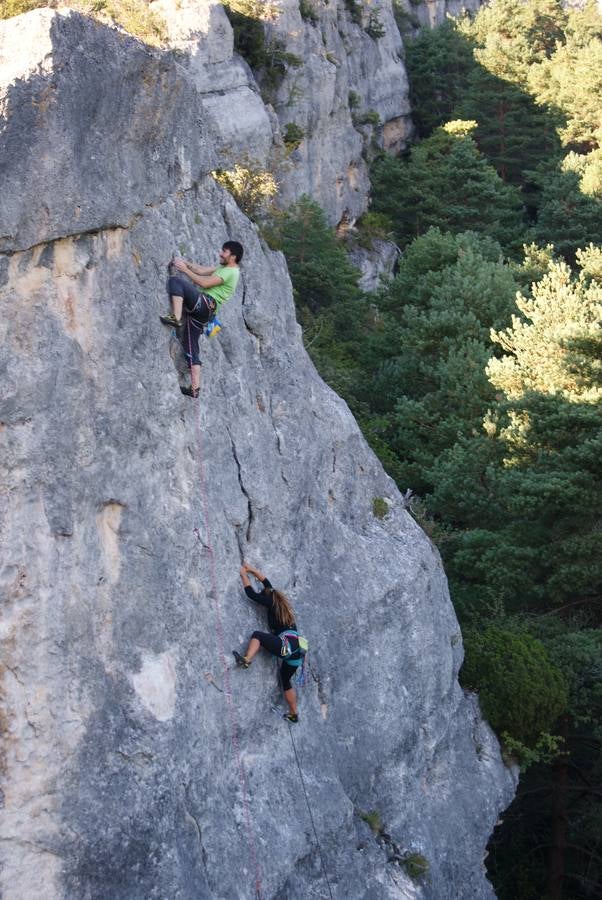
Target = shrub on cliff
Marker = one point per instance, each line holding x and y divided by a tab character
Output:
522	693
134	16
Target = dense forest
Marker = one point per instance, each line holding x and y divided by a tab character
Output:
475	374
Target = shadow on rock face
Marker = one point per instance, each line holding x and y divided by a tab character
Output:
176	352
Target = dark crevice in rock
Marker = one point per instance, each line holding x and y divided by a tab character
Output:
246	324
278	438
139	758
244	491
195	822
90	232
316	677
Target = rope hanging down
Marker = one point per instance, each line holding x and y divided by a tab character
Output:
221	645
313	824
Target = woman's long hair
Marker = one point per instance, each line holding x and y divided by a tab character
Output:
282	609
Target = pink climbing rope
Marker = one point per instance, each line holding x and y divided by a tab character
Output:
221	646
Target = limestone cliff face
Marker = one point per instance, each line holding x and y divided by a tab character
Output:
120	777
345	87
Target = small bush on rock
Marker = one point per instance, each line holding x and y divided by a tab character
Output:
308	11
293	135
252	188
416	865
372	819
522	693
380	508
370	117
134	16
375	28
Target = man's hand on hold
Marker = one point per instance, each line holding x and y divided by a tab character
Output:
180	263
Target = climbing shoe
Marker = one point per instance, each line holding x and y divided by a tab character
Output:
171	320
241	660
191	392
290	717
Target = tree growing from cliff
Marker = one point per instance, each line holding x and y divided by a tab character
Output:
320	270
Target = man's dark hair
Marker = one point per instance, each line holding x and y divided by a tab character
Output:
235	248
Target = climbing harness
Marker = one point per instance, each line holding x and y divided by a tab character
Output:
287	651
222	653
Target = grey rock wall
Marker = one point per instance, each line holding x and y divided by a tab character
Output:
119	774
375	263
346	74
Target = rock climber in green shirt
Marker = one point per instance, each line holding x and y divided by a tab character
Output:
196	294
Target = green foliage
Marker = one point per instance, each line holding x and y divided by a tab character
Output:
431	386
371	227
249	35
416	865
476	376
567	215
293	135
10	8
537	344
447	183
269	59
380	507
318	265
134	16
375	28
370	117
354	100
253	188
438	61
521	692
354	8
372	819
308	11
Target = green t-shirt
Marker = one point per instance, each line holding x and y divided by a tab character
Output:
229	276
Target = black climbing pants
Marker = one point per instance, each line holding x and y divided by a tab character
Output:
273	644
199	308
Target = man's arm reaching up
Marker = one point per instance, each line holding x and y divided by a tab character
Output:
193	267
204	281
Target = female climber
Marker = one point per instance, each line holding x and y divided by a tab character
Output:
284	640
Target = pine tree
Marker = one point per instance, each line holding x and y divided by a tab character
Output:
541	550
439	62
432	387
319	267
448	184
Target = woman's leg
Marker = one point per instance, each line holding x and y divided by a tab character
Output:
270	642
290	695
252	649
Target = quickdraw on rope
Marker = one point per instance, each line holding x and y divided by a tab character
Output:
221	646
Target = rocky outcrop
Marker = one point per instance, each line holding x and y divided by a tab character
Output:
375	263
119	767
350	92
